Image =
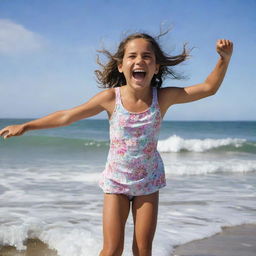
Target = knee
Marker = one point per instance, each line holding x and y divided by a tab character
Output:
142	247
143	250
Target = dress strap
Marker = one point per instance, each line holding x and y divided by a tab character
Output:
155	101
118	95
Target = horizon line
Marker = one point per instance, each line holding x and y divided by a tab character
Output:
177	120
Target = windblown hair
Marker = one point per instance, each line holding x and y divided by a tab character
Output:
109	76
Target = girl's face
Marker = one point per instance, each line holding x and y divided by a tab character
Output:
139	63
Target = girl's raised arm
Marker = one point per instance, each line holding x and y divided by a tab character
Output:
63	117
176	95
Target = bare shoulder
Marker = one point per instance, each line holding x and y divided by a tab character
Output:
107	98
104	97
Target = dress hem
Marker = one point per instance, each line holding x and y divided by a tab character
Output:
130	194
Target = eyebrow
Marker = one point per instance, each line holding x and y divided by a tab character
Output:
142	53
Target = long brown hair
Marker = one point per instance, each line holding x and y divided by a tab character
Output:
109	76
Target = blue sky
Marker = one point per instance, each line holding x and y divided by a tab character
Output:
48	52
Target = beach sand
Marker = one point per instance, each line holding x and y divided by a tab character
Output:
232	241
34	248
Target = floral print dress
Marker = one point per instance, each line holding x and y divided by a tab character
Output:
134	166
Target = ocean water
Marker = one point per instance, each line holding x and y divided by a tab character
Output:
49	190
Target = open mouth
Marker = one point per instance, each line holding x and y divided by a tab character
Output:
139	74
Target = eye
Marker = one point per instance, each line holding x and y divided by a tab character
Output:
131	56
147	56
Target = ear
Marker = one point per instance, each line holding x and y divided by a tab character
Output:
120	67
157	69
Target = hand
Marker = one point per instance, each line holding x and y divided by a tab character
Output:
224	48
13	130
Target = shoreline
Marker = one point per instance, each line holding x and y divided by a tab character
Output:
231	241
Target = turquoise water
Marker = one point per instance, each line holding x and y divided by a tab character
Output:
49	190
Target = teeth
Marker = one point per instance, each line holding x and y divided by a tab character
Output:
139	70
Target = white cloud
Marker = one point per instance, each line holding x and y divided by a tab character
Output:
16	39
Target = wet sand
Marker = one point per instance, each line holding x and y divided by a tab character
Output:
232	241
35	247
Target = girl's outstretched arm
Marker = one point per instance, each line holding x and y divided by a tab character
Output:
176	95
95	105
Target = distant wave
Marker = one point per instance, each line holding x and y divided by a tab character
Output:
178	144
172	144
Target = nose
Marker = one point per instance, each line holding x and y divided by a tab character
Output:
139	59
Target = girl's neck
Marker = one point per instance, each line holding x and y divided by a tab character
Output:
144	94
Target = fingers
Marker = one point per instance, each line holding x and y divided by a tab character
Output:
225	42
224	48
3	134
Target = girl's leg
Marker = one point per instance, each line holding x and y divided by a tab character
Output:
144	210
115	213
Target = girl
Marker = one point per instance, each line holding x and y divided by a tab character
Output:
136	105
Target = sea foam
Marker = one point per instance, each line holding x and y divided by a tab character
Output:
177	144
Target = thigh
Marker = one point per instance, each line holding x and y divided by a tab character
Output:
145	210
115	213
